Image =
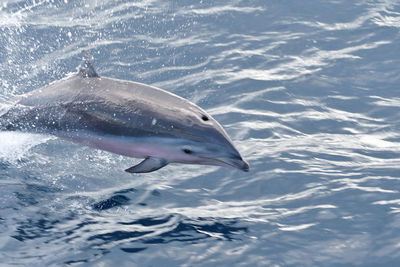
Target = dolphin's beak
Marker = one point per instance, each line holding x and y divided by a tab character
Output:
246	166
240	164
235	162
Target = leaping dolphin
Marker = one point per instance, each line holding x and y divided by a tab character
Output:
126	118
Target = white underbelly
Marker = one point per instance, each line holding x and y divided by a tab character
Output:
126	146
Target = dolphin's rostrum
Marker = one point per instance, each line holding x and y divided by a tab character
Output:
125	118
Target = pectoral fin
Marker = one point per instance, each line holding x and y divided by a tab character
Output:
148	165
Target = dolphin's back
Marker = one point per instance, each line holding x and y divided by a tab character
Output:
103	105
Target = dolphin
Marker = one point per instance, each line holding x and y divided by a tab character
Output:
126	118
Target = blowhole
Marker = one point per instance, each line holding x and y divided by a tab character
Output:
204	118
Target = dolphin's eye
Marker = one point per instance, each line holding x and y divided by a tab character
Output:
187	151
204	118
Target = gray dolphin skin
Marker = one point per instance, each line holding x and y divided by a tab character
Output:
126	118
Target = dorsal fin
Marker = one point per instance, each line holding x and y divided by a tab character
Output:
86	69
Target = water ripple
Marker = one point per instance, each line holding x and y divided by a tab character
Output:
308	91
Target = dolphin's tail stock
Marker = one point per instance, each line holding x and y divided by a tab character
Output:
2	112
5	105
5	118
3	123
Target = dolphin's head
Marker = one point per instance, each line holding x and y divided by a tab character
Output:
204	141
212	153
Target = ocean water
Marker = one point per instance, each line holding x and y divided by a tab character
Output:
308	91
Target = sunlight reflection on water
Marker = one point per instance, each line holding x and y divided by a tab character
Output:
308	91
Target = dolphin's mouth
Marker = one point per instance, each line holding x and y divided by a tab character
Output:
236	162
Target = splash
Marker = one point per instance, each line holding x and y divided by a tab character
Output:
14	145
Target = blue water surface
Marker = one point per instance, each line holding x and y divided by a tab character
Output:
308	91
